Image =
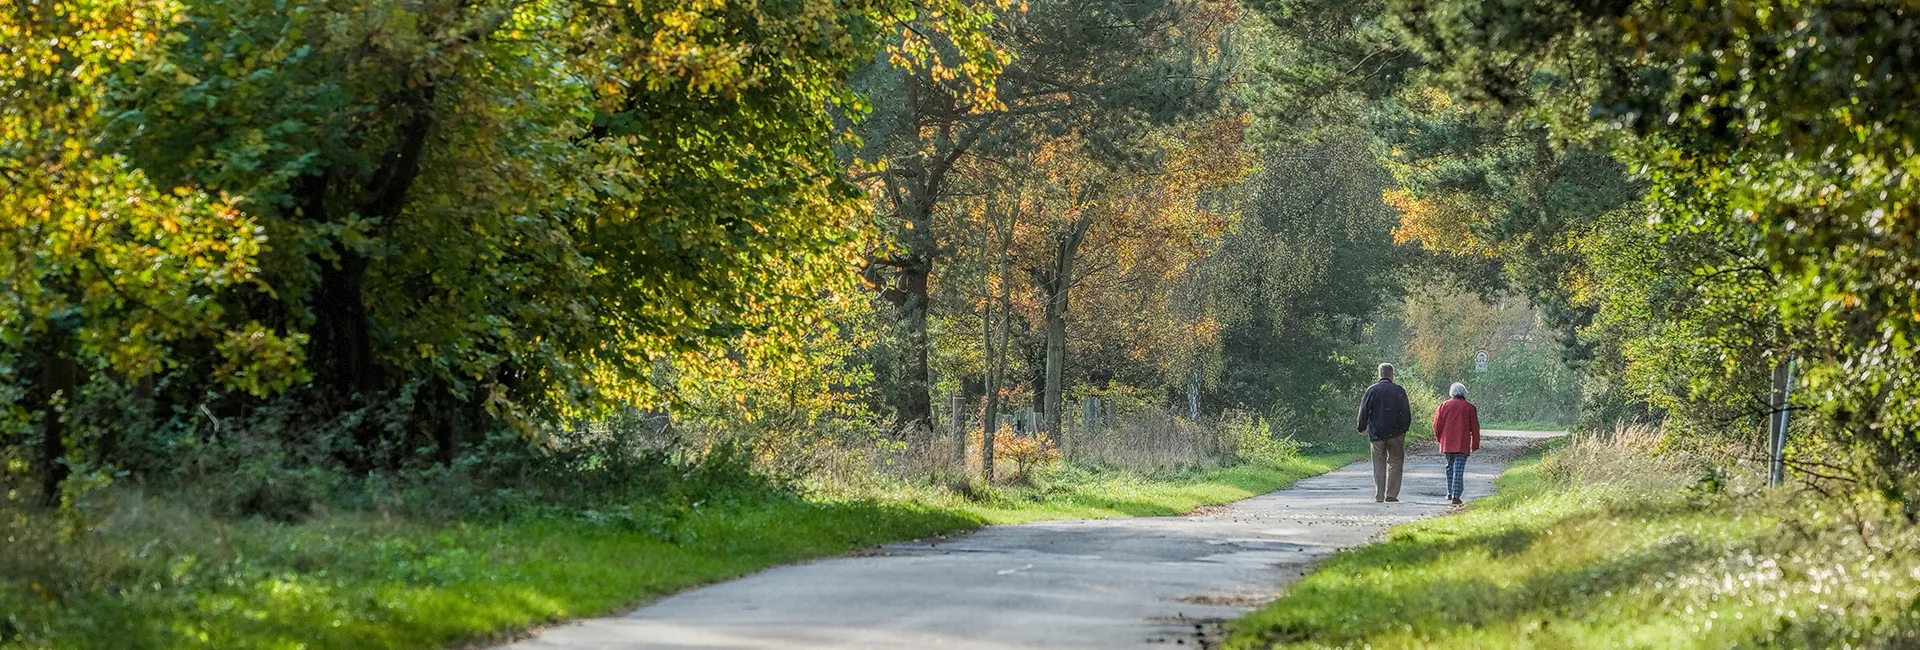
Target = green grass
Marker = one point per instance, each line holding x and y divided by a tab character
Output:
158	575
1541	565
1080	494
1525	425
358	582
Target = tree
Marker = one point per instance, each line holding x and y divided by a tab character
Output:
1130	230
107	270
1309	264
1100	74
452	215
1773	134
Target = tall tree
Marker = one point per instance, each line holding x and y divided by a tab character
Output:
1100	72
451	213
1307	267
1125	230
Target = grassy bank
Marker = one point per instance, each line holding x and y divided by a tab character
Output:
1564	558
158	574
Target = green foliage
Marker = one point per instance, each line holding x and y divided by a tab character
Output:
1309	263
1525	378
380	232
1424	397
1775	135
1252	441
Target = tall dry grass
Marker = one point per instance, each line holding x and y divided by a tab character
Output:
1151	442
1638	456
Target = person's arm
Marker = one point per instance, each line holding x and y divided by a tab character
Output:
1473	418
1366	408
1403	407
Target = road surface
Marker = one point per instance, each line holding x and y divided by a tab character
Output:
1105	583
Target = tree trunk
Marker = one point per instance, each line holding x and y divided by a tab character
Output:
996	357
59	379
917	411
915	186
342	344
1056	330
342	338
1056	283
445	418
990	417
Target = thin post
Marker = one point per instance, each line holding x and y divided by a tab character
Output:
1782	395
957	425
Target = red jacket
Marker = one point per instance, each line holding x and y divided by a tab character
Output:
1456	424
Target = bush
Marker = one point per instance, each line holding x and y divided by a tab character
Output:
1247	439
1425	399
1030	455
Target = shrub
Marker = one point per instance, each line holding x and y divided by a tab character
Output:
1030	455
1247	438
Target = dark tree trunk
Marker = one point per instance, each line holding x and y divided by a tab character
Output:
446	424
915	186
917	411
1055	283
342	345
342	337
54	393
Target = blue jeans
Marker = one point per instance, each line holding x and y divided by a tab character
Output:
1456	473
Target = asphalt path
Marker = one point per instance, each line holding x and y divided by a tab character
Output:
1100	583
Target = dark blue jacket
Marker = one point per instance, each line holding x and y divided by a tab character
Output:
1384	412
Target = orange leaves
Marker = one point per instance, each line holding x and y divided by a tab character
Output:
1440	223
1028	453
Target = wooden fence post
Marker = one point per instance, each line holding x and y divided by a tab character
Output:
957	424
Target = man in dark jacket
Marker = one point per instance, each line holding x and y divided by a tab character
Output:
1384	417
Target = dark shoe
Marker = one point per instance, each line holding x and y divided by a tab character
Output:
1454	500
1393	499
1379	499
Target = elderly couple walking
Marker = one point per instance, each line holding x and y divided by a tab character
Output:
1385	416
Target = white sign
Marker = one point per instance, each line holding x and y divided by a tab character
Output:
1480	361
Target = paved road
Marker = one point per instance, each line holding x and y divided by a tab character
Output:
1107	583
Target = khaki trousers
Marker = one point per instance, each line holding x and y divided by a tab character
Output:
1388	457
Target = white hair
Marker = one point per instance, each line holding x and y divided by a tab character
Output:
1386	371
1457	389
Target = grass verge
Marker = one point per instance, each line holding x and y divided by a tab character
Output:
1080	493
1525	425
159	575
1547	564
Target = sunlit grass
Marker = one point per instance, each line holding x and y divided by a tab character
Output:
352	583
1541	565
164	575
1073	494
1524	425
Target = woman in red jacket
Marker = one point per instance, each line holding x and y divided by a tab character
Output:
1456	424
